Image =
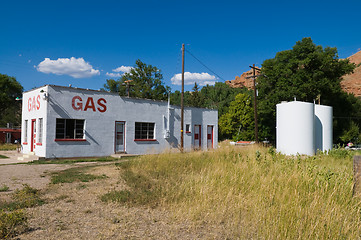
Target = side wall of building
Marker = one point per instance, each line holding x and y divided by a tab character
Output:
101	111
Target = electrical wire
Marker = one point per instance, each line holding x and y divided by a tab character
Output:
204	65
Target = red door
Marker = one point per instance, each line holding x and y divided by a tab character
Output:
209	136
197	137
33	135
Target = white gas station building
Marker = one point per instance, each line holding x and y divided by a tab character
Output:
62	122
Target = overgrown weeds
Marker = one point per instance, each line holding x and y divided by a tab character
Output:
74	160
23	198
11	223
251	192
76	174
12	216
8	147
4	188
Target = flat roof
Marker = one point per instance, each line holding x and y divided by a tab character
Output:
111	93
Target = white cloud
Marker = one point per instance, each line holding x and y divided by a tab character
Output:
75	67
202	79
124	69
114	74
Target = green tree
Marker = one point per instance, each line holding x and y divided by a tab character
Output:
10	109
196	99
351	134
238	122
307	72
146	81
220	96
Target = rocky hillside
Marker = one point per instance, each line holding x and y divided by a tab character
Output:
243	81
352	83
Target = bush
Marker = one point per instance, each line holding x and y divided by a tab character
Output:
11	223
23	198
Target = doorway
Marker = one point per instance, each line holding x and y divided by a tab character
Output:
209	136
120	137
33	135
197	137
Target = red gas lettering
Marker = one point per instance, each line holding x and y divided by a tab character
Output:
89	104
38	102
102	107
33	105
29	104
77	105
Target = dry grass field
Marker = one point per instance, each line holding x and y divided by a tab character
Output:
229	193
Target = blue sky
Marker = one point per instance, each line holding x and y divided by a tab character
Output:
83	43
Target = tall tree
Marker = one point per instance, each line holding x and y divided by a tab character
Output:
220	96
196	99
146	81
238	122
307	72
10	109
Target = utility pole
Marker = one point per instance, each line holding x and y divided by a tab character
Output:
254	76
127	83
182	101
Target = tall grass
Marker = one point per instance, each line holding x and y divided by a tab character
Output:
251	192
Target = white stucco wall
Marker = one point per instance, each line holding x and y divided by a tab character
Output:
100	122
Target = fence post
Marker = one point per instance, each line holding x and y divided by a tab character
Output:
356	175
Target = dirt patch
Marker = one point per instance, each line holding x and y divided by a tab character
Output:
37	176
75	211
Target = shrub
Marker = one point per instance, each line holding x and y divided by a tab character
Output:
11	223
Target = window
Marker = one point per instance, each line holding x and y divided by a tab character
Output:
26	132
144	130
188	126
40	134
69	128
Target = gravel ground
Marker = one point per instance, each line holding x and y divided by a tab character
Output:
75	211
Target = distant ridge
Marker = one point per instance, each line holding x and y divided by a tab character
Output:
351	83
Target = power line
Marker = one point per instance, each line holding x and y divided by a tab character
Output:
204	65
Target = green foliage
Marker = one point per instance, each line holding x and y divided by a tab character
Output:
238	122
11	223
116	196
146	81
4	188
220	96
217	97
196	99
352	134
77	160
74	175
144	191
307	72
23	198
8	147
10	109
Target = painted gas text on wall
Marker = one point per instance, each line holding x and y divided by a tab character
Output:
77	104
34	103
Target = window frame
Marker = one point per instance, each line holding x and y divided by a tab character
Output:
40	131
26	132
73	127
144	131
188	128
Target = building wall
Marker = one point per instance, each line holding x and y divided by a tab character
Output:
101	110
34	107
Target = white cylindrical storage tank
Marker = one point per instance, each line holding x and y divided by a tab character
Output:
295	128
323	127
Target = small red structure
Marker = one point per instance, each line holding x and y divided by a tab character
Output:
9	135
